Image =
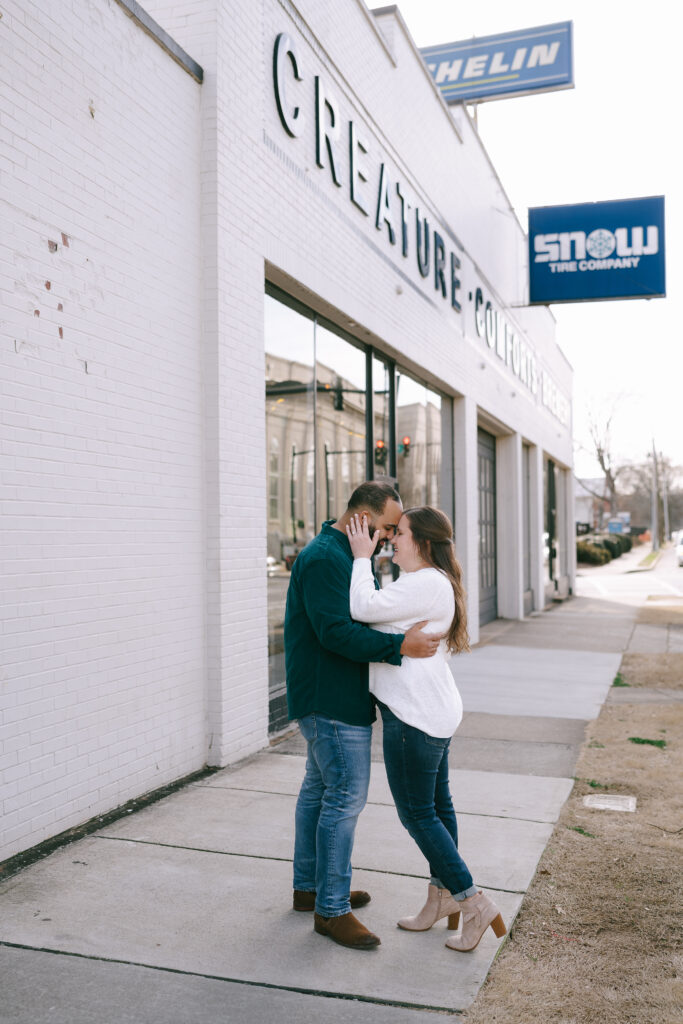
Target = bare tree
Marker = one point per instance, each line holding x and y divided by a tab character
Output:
600	430
636	488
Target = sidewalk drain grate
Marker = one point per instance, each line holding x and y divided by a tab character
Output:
598	802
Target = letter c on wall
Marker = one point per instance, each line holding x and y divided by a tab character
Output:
292	116
478	318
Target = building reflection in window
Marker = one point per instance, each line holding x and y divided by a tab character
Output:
316	443
418	442
290	441
318	450
340	421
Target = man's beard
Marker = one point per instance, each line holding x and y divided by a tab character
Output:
380	543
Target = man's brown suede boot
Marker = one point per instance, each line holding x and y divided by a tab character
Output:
306	900
346	930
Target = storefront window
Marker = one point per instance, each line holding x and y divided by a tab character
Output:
526	529
561	567
274	480
419	442
318	451
550	517
384	463
290	440
340	421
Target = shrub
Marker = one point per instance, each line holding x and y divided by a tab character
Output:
612	545
592	554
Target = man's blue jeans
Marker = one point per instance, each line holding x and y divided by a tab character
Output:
332	795
417	770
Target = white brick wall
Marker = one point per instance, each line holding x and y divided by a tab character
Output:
132	418
103	648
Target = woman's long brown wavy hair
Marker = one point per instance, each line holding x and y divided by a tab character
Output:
433	535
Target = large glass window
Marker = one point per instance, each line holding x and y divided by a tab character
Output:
290	444
340	421
384	457
526	517
562	559
550	518
324	394
419	442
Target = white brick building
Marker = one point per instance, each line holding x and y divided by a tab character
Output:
176	235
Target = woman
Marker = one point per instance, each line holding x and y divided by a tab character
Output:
421	709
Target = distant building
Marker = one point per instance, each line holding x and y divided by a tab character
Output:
591	503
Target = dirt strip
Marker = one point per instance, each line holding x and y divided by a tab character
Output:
598	937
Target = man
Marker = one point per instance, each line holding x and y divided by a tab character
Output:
327	655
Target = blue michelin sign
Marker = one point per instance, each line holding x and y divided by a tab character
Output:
510	64
590	251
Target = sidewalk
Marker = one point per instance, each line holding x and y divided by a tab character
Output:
181	913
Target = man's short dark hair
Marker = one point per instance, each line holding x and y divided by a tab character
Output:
373	497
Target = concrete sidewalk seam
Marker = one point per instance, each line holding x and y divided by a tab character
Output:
348	996
374	803
288	860
191	849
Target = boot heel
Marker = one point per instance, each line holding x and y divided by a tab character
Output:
498	926
453	920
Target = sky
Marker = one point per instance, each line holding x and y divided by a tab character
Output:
616	135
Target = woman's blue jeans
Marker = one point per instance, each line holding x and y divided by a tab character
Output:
417	769
332	795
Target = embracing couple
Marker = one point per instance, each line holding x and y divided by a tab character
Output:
350	647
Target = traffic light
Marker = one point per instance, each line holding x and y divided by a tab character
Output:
337	392
380	453
404	447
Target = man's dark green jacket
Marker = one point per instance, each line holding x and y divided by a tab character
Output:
326	652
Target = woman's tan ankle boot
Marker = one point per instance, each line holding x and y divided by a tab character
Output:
478	912
439	904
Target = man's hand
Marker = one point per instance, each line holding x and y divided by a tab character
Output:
417	644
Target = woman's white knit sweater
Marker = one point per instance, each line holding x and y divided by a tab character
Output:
419	691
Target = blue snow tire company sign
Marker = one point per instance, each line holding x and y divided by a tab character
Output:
509	64
592	251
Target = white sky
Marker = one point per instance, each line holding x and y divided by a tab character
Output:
616	135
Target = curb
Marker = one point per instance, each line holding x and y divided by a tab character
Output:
647	568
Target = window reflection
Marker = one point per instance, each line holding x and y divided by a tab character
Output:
340	421
290	437
419	442
382	427
317	447
562	567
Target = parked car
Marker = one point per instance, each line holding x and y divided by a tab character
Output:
679	548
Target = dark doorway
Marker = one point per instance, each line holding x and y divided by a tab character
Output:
488	590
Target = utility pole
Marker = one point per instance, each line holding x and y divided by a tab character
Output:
655	490
665	500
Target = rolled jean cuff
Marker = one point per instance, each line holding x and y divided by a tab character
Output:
460	896
437	882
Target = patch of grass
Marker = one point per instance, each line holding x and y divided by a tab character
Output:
619	680
652	743
538	978
664	671
649	559
581	831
